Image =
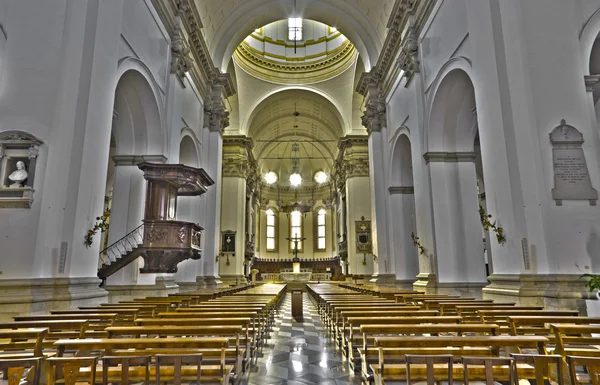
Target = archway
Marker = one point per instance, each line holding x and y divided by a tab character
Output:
188	210
402	206
366	30
137	136
452	158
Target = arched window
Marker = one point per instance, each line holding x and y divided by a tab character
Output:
321	242
296	229
271	243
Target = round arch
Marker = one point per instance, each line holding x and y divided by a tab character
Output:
188	152
138	104
245	126
256	13
401	170
588	36
452	123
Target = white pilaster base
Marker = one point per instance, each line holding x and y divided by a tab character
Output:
233	279
383	279
553	291
210	281
39	296
426	282
404	284
163	287
189	286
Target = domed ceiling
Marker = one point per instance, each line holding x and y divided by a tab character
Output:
301	119
315	53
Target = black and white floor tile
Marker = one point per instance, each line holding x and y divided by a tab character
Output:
300	352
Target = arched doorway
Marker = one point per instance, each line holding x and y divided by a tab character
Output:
137	136
402	206
452	160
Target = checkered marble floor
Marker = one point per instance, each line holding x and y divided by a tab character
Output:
299	353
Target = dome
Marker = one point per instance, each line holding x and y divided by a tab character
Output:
295	51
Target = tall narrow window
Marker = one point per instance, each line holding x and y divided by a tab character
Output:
270	230
295	29
321	230
296	229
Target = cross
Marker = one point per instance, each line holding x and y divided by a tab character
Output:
295	250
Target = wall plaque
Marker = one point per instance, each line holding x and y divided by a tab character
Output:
228	242
363	236
571	176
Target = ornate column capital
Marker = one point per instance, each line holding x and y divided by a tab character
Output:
374	117
408	58
238	160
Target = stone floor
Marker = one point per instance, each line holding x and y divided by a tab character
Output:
300	353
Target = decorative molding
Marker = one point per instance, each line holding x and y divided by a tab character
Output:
449	157
352	160
238	160
134	160
332	64
201	68
591	81
181	62
401	190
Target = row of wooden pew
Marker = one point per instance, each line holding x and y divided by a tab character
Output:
383	331
208	337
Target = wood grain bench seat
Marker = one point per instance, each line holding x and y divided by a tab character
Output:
96	321
398	346
124	315
233	331
367	355
22	343
499	316
219	373
576	340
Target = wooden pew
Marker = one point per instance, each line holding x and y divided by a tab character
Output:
22	343
499	317
540	325
232	331
576	340
370	332
218	374
96	321
399	346
124	316
469	312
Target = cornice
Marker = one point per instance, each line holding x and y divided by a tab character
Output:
401	190
306	43
134	160
406	22
336	62
202	70
449	157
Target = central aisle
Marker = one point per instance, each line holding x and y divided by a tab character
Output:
300	353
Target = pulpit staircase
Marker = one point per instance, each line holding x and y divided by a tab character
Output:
121	253
161	241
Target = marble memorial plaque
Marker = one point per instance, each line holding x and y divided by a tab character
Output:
571	176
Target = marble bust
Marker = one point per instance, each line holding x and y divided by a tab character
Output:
19	175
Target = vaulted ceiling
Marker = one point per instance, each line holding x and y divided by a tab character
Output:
227	22
316	129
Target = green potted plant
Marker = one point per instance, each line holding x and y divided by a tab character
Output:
593	283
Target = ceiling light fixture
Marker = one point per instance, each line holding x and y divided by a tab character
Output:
271	177
320	177
295	179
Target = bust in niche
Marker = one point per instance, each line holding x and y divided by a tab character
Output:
19	175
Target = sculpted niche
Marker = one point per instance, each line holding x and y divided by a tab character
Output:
18	155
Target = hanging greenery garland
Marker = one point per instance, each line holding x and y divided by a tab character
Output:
488	224
101	225
417	243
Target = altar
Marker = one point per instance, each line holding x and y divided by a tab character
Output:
296	274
